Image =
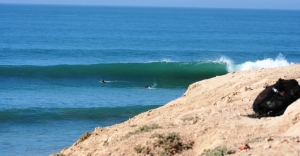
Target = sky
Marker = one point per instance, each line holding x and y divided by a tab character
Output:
249	4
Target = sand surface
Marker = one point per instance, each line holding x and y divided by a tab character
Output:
211	113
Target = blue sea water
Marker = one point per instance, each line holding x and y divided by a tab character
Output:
53	58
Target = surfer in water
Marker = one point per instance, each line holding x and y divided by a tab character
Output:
147	86
102	81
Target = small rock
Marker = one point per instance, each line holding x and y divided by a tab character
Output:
194	121
269	139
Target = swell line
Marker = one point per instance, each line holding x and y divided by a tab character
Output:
154	69
165	74
31	115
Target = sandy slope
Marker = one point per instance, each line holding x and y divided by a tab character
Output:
212	113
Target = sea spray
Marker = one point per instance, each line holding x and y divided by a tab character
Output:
229	63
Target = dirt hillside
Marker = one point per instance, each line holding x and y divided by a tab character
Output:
212	113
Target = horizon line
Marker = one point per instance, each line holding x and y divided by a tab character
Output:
144	6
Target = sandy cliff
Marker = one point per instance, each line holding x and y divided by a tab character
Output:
212	113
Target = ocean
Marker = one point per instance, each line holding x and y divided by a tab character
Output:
54	57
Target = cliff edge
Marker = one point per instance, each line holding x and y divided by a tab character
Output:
210	117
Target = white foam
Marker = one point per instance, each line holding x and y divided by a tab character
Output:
166	60
230	63
280	61
153	85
